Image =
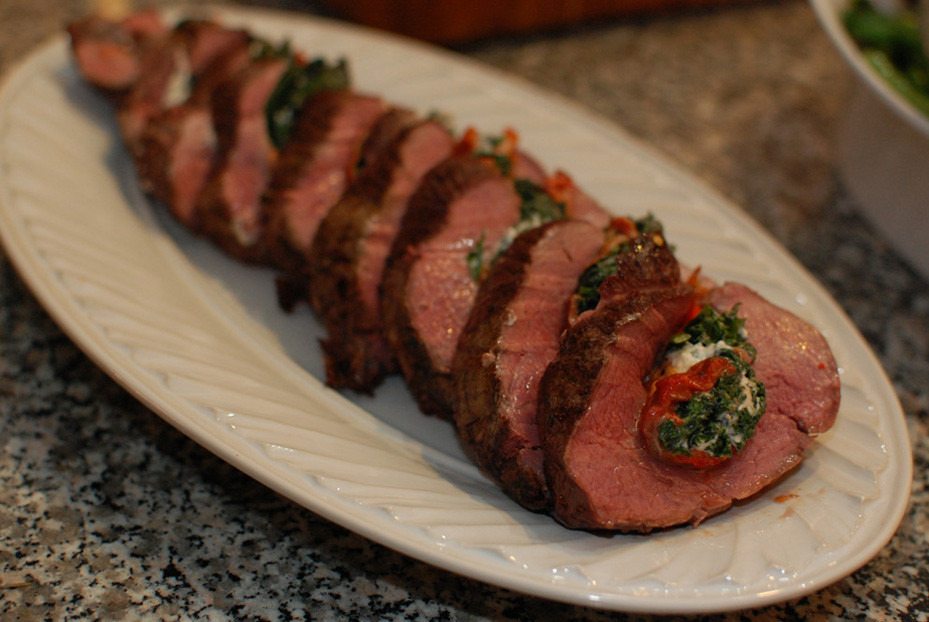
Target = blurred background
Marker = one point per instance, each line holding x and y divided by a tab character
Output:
458	21
750	96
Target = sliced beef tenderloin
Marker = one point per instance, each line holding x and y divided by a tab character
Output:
195	51
228	210
206	41
593	392
527	167
179	145
314	170
395	121
162	60
351	247
179	152
601	472
511	336
578	204
462	206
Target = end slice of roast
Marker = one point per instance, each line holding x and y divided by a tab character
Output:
602	475
511	336
349	252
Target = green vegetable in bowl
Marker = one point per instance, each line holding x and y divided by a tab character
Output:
892	46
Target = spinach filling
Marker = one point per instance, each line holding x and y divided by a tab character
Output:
475	260
718	422
299	81
536	208
587	294
710	326
495	149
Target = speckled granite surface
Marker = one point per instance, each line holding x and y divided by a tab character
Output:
106	512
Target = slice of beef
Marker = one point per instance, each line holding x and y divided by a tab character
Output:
179	145
131	62
214	55
527	167
593	392
161	59
350	250
579	204
389	126
144	24
179	152
314	170
195	51
107	52
511	336
206	41
462	205
603	476
228	210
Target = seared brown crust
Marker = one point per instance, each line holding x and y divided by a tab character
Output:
357	355
178	154
645	277
385	132
511	336
334	248
570	379
229	209
282	244
159	59
426	214
484	433
179	145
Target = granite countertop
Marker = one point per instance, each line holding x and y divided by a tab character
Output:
107	512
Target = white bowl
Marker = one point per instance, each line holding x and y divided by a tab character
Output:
883	149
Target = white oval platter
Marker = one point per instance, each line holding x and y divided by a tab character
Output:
199	339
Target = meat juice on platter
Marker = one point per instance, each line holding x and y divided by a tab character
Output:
583	369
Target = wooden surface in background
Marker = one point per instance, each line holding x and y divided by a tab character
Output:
457	21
